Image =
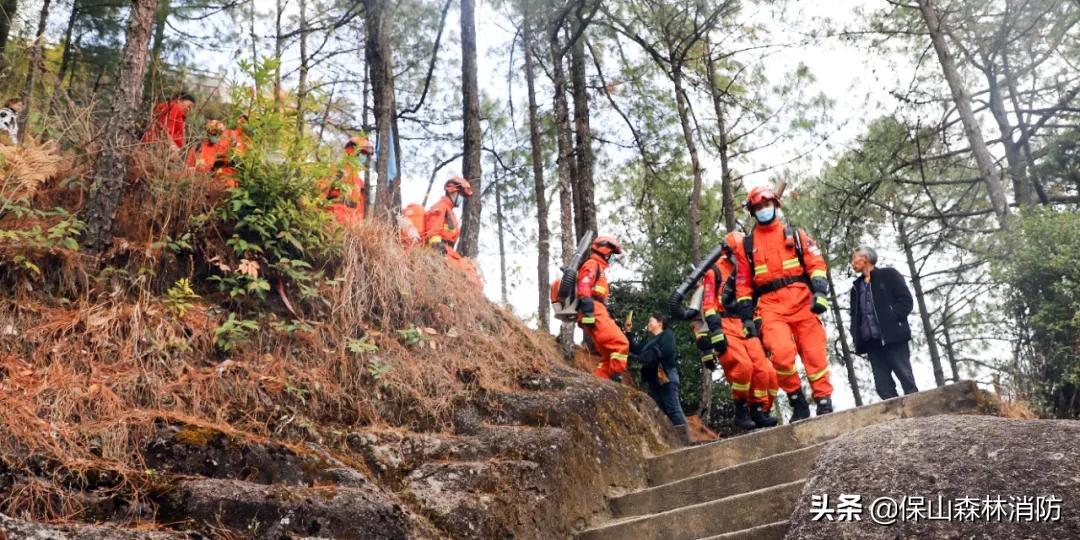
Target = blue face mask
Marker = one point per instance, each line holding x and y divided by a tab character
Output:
765	215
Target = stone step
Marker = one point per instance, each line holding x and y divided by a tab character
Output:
771	531
730	514
696	460
741	478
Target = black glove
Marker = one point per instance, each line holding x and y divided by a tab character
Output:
690	314
749	328
713	321
710	364
820	286
820	305
745	308
719	343
588	316
758	324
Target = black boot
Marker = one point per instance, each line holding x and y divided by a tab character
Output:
824	406
742	416
799	405
761	418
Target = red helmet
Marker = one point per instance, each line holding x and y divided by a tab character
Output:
362	145
606	245
760	195
458	184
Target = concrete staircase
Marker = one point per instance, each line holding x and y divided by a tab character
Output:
746	487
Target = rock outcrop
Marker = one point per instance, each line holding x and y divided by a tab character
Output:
995	478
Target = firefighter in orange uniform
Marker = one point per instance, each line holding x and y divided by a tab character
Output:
593	316
782	270
721	334
441	228
214	154
349	191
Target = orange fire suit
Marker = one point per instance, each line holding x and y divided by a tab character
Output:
788	325
604	332
168	123
350	204
215	157
441	232
745	366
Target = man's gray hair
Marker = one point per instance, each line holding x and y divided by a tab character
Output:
871	255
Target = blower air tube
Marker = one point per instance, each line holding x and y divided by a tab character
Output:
675	301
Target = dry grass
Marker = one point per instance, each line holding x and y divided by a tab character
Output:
86	380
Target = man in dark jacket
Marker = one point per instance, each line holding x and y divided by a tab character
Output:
659	370
880	304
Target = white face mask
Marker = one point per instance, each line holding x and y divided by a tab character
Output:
765	215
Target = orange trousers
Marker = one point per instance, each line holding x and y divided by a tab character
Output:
802	333
748	370
609	340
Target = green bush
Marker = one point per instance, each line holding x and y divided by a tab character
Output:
277	228
1043	275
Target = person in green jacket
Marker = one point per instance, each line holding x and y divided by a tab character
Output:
660	371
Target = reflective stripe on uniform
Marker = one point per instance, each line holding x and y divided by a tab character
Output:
784	373
618	356
435	239
588	320
707	357
741	298
717	338
761	269
699	335
773	393
599	289
817	273
818	375
710	312
791	263
760	393
745	387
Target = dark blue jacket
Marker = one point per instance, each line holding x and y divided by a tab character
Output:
655	353
892	303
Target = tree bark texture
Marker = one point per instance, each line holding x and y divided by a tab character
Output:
380	64
565	162
543	257
119	133
469	243
585	207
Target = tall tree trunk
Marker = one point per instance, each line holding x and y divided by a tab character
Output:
279	11
8	8
845	347
65	55
543	257
153	74
694	212
366	90
301	83
1022	188
962	98
920	298
950	350
565	161
585	209
504	300
469	243
380	63
37	53
119	133
727	186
